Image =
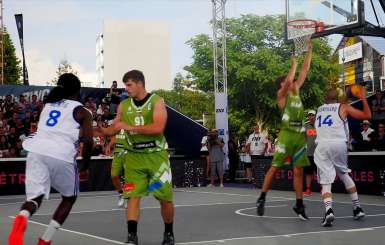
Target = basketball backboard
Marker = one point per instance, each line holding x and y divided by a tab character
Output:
328	16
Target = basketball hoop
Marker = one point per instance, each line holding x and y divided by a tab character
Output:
300	31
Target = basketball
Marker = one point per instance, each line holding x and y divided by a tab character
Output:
353	91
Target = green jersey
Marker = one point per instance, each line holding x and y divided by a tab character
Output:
120	142
138	116
292	117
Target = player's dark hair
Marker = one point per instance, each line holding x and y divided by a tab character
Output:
134	75
68	85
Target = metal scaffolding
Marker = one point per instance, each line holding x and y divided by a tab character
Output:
219	46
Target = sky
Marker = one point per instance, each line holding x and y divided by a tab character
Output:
67	29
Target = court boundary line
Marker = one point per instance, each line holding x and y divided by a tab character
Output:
282	235
158	207
284	198
75	232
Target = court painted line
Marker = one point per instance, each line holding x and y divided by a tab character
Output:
76	232
240	212
278	236
156	207
58	199
283	198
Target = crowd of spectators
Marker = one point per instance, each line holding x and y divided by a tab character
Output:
19	118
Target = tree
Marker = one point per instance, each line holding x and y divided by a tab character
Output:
64	67
256	55
12	68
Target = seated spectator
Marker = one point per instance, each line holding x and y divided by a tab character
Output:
380	139
366	130
378	107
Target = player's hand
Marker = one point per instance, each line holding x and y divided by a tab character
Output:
108	150
122	125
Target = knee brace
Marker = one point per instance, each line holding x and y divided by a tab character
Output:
347	180
326	189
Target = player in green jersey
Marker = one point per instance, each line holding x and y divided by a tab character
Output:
291	145
147	170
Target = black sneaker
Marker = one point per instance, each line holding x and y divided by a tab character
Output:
358	213
300	211
132	238
261	207
168	238
328	219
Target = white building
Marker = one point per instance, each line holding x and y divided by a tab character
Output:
126	45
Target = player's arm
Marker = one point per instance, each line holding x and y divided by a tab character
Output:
365	113
110	146
305	67
84	118
157	126
111	130
281	94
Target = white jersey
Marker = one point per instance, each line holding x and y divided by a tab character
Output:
257	143
57	134
329	124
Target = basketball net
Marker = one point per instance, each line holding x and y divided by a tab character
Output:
300	31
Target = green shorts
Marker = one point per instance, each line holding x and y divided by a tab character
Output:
118	163
290	149
148	173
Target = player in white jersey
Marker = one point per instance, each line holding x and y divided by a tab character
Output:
331	153
51	159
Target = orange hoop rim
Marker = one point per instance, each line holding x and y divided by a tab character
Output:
302	24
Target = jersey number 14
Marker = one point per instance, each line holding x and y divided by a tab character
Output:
328	120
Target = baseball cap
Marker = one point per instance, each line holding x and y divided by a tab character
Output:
311	112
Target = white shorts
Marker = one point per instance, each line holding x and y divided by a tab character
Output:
43	172
331	157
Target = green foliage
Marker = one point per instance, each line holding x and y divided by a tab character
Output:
256	55
191	103
12	68
63	67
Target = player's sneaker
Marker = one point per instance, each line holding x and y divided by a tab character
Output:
210	185
132	239
42	242
328	219
168	238
307	193
358	213
300	211
261	207
18	229
221	185
121	200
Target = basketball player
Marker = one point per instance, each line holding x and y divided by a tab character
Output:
118	144
331	153
291	145
143	116
51	159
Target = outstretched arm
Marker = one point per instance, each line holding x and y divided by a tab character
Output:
281	94
305	67
111	130
358	114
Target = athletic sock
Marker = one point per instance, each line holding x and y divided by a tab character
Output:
262	196
25	213
168	227
50	231
328	203
355	200
299	202
132	226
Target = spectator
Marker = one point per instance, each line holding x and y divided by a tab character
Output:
378	107
379	143
246	160
233	157
256	146
34	103
217	156
366	130
205	152
35	117
310	136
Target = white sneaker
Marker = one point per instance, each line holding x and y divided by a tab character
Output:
222	186
210	185
121	201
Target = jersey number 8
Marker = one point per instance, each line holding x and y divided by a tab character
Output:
53	118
